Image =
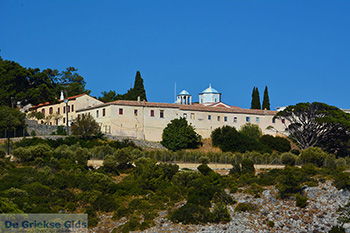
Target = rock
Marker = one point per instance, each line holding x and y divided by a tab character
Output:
346	226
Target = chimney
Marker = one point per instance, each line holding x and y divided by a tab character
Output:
62	96
138	98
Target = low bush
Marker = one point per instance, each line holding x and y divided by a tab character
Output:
191	214
313	155
276	143
245	207
288	158
301	201
270	223
2	154
342	181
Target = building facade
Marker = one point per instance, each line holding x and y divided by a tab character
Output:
56	113
146	120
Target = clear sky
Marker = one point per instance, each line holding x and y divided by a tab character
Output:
300	49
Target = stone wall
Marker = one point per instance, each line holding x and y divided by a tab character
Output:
40	129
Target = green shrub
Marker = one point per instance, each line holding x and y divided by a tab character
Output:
290	180
251	130
313	155
342	181
227	138
341	163
2	154
247	166
288	158
295	151
254	189
7	206
337	229
100	152
178	135
105	202
270	223
330	162
301	201
276	143
220	214
23	154
245	207
191	214
203	160
204	169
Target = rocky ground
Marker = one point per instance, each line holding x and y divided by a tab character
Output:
320	215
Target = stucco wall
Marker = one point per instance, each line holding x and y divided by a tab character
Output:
145	126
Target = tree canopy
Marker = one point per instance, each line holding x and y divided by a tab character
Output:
318	124
251	130
85	126
10	120
132	94
31	85
180	135
255	104
266	100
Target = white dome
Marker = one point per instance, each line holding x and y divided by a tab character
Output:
184	92
210	90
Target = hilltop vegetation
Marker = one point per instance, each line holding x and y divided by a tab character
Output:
52	176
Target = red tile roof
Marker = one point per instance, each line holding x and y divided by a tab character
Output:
50	103
193	107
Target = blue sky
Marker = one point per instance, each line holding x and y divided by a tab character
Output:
299	49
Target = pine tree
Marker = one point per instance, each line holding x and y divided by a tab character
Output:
255	104
266	101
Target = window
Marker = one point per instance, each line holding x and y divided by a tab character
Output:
209	117
192	116
273	120
104	112
185	115
58	111
56	121
135	112
257	119
43	111
247	119
161	114
64	109
72	108
64	120
120	111
68	108
218	118
96	113
225	118
50	110
152	113
283	121
235	119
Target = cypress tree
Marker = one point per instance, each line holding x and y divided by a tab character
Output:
266	101
258	104
137	91
255	104
252	103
